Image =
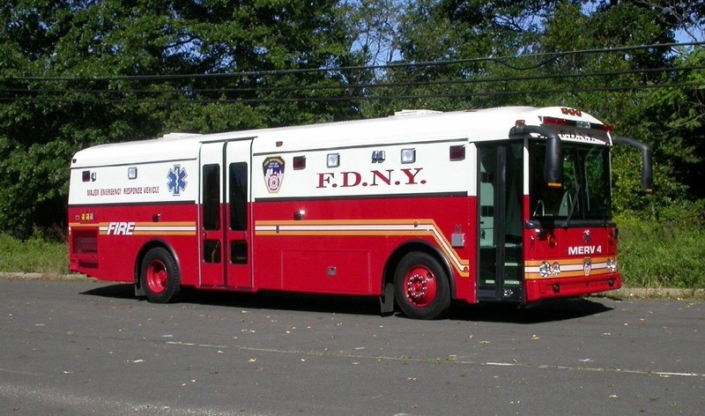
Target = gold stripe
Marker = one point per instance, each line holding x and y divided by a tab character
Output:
82	225
463	270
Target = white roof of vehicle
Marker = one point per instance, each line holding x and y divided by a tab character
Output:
409	126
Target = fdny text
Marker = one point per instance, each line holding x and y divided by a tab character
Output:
372	178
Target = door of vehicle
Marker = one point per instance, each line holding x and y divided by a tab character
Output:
500	197
224	215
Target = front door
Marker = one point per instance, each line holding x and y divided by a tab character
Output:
224	214
500	196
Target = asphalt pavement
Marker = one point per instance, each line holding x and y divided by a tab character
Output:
80	347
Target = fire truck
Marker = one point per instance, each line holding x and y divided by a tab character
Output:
419	209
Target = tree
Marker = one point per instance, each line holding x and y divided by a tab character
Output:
78	72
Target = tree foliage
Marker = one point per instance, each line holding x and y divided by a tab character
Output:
76	73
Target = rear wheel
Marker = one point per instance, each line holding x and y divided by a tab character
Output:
421	287
159	276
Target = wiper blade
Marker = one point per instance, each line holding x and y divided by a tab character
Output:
572	206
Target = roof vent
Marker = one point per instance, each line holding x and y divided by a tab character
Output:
178	135
410	113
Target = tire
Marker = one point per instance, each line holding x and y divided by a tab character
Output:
159	276
421	287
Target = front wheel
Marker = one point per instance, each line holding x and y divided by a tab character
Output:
421	287
159	276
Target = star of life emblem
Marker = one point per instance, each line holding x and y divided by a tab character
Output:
273	168
177	180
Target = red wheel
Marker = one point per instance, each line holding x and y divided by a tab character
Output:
160	277
421	287
157	276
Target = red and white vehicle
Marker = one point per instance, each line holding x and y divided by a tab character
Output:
505	204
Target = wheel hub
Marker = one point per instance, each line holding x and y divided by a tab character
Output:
417	286
157	277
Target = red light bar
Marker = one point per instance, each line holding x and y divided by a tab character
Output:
577	124
554	120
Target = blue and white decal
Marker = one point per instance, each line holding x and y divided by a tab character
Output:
177	179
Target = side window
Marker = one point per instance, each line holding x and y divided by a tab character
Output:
211	197
238	196
488	177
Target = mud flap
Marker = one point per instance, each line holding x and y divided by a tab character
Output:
139	290
386	301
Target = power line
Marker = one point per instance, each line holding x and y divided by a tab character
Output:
348	87
361	98
548	57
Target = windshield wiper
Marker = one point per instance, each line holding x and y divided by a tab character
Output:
603	214
572	206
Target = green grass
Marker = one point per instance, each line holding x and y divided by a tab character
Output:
654	255
33	256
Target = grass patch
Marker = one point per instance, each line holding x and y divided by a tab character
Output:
33	256
668	255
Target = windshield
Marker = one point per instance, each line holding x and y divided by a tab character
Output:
586	183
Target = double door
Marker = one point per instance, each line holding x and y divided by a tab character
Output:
500	272
224	209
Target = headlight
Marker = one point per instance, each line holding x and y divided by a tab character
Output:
612	264
544	269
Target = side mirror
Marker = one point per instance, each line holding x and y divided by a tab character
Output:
553	168
647	170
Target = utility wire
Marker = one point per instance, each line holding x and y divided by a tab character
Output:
547	57
361	98
348	87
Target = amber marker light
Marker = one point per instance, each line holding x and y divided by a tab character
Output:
552	241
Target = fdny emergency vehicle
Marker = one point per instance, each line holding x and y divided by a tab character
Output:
495	205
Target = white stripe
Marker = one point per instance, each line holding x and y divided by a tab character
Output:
350	227
568	268
158	228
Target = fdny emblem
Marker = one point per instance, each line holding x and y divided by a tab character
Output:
177	180
587	266
273	168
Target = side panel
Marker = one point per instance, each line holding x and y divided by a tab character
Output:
343	246
114	211
329	220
